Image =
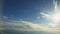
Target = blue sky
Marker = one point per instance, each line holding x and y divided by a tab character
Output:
31	15
27	10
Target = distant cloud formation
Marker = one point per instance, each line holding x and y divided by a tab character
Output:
28	26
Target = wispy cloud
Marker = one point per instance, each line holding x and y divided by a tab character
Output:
55	4
45	15
4	17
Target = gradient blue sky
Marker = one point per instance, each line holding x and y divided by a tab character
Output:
27	10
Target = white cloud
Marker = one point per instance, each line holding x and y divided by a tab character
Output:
45	15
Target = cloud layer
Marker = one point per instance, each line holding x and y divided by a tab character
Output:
28	26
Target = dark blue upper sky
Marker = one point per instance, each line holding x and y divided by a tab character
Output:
25	9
